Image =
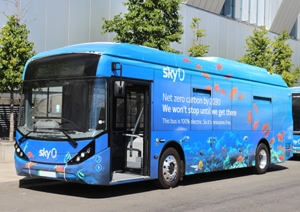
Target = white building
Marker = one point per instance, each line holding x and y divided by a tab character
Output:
227	23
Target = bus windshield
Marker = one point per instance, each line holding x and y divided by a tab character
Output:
63	109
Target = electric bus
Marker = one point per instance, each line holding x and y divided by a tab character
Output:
111	113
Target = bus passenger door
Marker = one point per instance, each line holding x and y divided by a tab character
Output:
130	131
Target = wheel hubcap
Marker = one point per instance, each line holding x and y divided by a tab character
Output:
262	157
170	168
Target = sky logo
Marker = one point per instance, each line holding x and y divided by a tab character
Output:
47	153
170	73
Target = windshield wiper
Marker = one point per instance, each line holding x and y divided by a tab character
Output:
64	131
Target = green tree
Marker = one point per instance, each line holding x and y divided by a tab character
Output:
198	49
258	50
275	56
15	50
152	23
281	59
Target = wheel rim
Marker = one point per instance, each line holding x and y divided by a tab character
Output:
170	168
262	159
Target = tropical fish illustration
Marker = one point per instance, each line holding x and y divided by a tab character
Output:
240	159
255	125
219	67
206	75
265	127
195	167
280	137
216	87
210	140
227	77
198	66
245	138
281	157
200	165
224	148
255	107
185	138
26	147
208	88
30	155
59	169
67	157
29	164
222	91
241	96
233	92
267	133
272	140
187	60
249	116
80	174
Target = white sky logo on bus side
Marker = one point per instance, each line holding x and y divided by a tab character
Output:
47	153
173	74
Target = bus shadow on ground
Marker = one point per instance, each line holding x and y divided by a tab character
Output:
93	191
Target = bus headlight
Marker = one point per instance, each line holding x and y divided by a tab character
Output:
87	152
19	152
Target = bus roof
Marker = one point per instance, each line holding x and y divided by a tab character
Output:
209	65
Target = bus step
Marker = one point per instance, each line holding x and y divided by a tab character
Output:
117	177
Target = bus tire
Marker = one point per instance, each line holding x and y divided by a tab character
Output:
168	169
261	159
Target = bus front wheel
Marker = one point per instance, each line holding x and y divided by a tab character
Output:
261	159
168	169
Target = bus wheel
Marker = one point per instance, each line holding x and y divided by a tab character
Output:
261	159
169	169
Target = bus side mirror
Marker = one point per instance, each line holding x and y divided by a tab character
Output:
119	89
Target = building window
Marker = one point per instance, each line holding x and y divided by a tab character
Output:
294	30
228	8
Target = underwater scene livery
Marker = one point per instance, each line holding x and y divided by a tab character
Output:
215	110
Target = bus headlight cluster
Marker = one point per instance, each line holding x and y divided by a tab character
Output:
84	154
19	152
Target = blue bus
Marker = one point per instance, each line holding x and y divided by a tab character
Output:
296	119
111	113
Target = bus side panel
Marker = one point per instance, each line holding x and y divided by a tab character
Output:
281	141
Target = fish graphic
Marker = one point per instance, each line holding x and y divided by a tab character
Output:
200	165
280	137
240	159
255	107
210	140
227	77
59	169
222	91
198	66
219	67
255	125
272	140
30	155
206	75
185	138
245	138
187	60
29	164
233	93
216	86
208	88
249	116
80	174
241	96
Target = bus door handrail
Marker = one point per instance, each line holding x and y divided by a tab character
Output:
131	142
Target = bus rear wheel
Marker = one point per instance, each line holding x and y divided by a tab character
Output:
261	159
169	169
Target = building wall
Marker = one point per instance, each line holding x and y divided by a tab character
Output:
57	23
